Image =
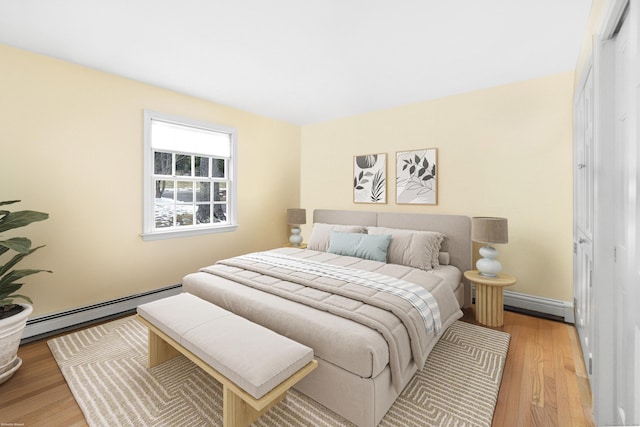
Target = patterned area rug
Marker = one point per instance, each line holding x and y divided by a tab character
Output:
105	367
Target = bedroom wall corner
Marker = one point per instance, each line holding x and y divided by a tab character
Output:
72	146
599	8
503	151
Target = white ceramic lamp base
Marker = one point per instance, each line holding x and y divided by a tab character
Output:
488	265
295	237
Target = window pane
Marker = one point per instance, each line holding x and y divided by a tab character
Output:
162	163
219	212
184	215
163	207
163	213
203	214
203	191
202	166
219	191
164	189
185	191
218	168
183	165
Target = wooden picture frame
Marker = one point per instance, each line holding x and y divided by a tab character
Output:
417	177
370	178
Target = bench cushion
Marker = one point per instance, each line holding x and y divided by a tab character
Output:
251	356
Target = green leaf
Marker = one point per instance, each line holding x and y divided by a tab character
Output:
18	244
10	202
16	259
20	219
14	275
6	291
24	297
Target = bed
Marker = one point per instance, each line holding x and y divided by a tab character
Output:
368	339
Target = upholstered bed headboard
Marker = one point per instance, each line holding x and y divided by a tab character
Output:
457	229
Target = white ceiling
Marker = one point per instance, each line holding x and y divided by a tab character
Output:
306	61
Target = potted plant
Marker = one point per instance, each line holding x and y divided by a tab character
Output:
13	316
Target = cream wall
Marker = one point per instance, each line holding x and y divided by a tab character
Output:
71	141
504	151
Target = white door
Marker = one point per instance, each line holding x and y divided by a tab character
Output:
583	214
626	280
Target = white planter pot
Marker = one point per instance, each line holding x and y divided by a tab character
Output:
11	330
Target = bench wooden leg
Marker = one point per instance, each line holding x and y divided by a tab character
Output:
159	350
236	412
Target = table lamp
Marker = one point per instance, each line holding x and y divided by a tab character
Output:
296	217
490	231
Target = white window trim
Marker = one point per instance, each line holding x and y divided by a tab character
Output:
149	188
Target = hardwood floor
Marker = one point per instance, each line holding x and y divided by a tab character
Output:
544	381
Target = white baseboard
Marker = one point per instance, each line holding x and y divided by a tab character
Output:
562	309
66	319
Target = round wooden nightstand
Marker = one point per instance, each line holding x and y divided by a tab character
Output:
489	296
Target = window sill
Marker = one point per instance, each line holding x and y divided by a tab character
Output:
174	234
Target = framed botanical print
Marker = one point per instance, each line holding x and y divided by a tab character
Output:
370	178
416	177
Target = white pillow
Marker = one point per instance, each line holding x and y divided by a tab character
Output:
444	258
413	248
321	234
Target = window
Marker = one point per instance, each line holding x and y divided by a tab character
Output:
189	177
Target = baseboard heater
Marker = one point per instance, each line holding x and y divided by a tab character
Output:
43	326
562	310
552	307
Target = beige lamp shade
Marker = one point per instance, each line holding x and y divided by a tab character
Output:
489	230
296	216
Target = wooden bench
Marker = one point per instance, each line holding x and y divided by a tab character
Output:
255	365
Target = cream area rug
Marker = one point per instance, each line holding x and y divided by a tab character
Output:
106	369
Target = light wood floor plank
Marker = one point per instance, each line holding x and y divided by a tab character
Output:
551	405
525	402
538	376
562	388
